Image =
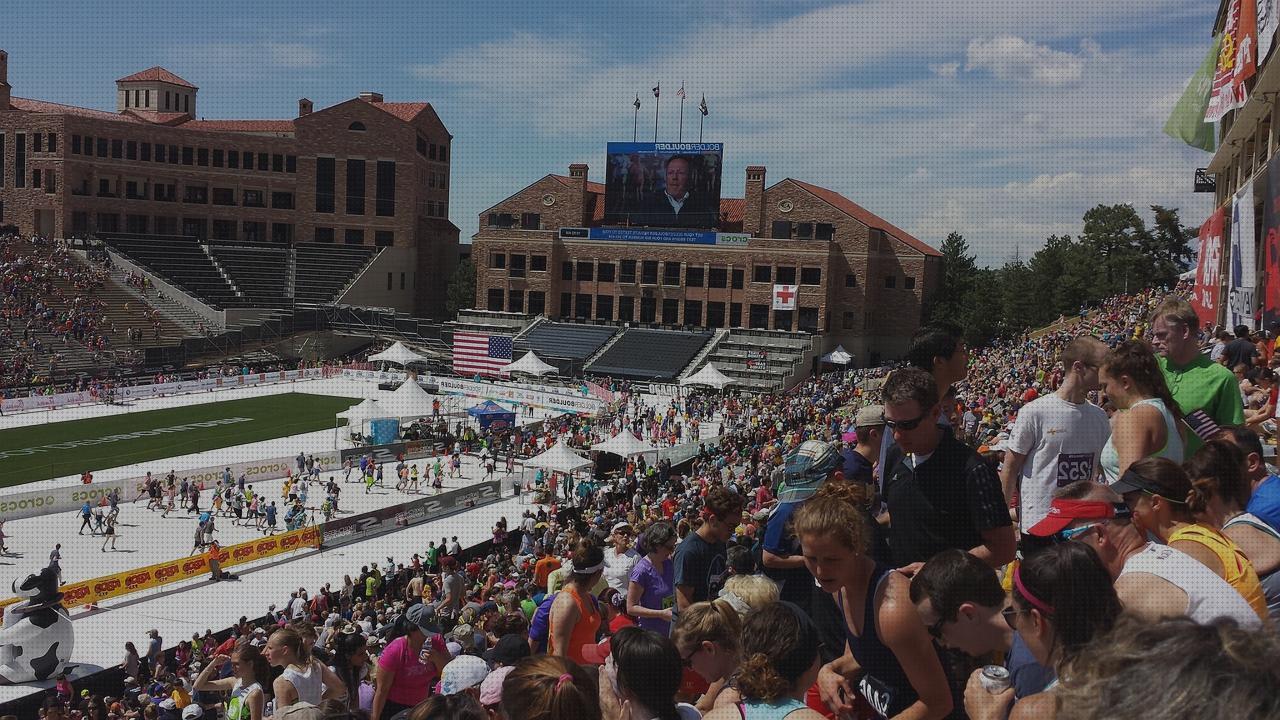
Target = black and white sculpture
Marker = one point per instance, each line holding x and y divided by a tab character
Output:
36	636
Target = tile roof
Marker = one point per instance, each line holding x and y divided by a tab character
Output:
43	106
157	74
159	118
403	110
241	126
866	217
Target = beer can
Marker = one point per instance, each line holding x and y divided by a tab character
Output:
996	679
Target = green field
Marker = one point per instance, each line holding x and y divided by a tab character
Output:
25	455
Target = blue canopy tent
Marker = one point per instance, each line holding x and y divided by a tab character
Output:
491	414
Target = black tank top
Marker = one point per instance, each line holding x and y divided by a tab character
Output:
884	683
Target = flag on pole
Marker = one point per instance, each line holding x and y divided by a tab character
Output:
702	106
1237	60
655	90
479	353
637	101
1186	122
680	93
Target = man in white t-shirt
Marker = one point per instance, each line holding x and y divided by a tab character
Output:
1152	581
1057	438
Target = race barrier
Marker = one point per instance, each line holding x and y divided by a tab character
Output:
518	393
411	449
376	522
181	387
70	498
89	592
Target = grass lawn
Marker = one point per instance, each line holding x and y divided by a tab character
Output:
25	457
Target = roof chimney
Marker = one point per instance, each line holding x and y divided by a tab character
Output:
753	212
304	107
578	178
4	80
369	96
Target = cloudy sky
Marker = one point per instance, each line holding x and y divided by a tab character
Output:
1002	120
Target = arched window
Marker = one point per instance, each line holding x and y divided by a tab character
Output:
356	126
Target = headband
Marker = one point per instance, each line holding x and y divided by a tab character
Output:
735	601
1036	602
589	570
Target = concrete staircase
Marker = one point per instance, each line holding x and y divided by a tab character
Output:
697	362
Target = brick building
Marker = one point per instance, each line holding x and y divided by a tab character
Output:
361	172
861	281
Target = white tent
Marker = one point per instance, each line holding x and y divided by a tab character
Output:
839	356
398	354
1188	275
708	376
365	411
559	458
530	364
409	400
624	444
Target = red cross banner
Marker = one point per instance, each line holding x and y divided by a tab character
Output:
784	297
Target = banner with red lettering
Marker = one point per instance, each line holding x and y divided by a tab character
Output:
1208	270
1237	60
1271	245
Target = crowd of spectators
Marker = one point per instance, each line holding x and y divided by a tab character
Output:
1078	524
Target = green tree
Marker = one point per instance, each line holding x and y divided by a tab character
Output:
462	288
959	274
1116	237
1170	246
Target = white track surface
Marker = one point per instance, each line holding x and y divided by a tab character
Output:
146	538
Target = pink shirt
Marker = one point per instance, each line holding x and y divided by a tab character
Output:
414	676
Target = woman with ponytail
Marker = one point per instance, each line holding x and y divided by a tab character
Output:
779	663
575	618
1167	504
888	651
1146	421
546	687
708	636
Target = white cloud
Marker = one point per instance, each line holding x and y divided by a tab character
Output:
294	55
1008	57
919	175
946	69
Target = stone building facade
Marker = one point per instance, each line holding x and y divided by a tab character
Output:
362	172
861	281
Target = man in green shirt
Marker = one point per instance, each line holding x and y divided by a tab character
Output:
1195	381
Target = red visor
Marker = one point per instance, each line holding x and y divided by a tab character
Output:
1064	512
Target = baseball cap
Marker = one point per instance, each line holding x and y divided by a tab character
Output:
869	416
1131	481
509	650
169	704
424	617
464	671
454	648
619	526
1063	512
192	711
491	687
807	468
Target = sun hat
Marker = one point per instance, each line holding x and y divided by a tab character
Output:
464	671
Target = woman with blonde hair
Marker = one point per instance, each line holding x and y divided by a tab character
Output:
304	679
708	637
780	662
746	593
547	687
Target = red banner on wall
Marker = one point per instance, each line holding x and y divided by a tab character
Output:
1271	245
1208	270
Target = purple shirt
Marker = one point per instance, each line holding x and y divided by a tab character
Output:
659	592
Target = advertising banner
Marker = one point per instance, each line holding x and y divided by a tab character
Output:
115	585
600	392
1244	266
642	235
1208	283
375	522
142	392
1271	244
381	453
524	395
1237	60
33	503
663	184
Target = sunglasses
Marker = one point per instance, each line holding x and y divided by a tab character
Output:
911	424
1009	614
1075	533
687	660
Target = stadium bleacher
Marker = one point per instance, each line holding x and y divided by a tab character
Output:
260	273
180	261
759	359
645	354
564	340
324	270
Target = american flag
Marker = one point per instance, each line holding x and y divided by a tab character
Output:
479	353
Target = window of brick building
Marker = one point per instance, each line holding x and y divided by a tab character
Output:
538	263
282	200
263	159
626	308
102	147
694	276
218	157
739	275
495	299
253	231
233	160
353	237
162	153
759	316
282	233
804	231
648	309
605	272
718	277
847	322
20	160
808	319
909	283
762	274
781	230
515	301
35	179
626	271
582	306
850	280
50	181
75	144
173	154
693	312
498	260
715	315
786	276
224	229
537	302
117	149
670	311
384	238
530	221
224	196
291	163
782	319
37	142
604	307
810	276
735	314
247	158
824	231
649	272
890	281
671	274
188	155
254	198
518	265
145	152
131	150
385	189
202	157
355	187
53	142
324	235
586	271
566	270
325	170
277	163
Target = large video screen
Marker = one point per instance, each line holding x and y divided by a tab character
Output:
673	185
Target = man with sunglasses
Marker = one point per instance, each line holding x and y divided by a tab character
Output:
940	494
1153	581
1199	385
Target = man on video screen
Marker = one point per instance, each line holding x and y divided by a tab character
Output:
678	204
